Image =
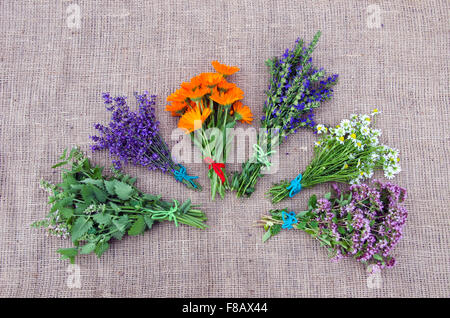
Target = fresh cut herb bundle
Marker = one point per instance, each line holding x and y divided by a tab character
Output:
92	209
133	137
296	88
348	153
364	222
209	106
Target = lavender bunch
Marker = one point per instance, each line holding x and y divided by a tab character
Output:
296	88
363	222
134	138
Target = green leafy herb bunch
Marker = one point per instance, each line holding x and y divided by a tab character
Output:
92	209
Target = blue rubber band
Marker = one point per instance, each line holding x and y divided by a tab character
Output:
288	219
181	175
295	186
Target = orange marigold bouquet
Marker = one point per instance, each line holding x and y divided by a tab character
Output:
208	106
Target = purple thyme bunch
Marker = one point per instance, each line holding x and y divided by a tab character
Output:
364	222
134	137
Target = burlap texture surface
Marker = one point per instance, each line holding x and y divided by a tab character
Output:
52	76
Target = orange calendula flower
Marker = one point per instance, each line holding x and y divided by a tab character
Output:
188	86
227	98
176	106
224	85
193	119
198	93
210	79
242	113
224	69
177	96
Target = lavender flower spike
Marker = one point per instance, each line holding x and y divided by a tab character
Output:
134	138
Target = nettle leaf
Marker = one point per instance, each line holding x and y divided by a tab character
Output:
121	223
115	207
87	193
68	253
110	186
123	190
149	221
101	248
98	183
118	235
88	248
102	219
80	207
151	198
99	194
138	226
66	212
80	227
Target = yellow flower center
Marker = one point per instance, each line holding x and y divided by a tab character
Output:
341	138
353	136
359	144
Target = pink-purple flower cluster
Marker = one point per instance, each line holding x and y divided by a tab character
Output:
364	222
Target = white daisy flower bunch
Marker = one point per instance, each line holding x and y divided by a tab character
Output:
349	153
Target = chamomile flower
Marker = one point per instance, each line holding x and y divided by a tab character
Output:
358	144
352	136
365	131
388	174
321	129
345	166
375	111
318	143
340	139
346	125
395	169
373	141
374	157
340	131
376	132
365	119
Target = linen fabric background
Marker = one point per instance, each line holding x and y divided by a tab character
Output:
52	77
